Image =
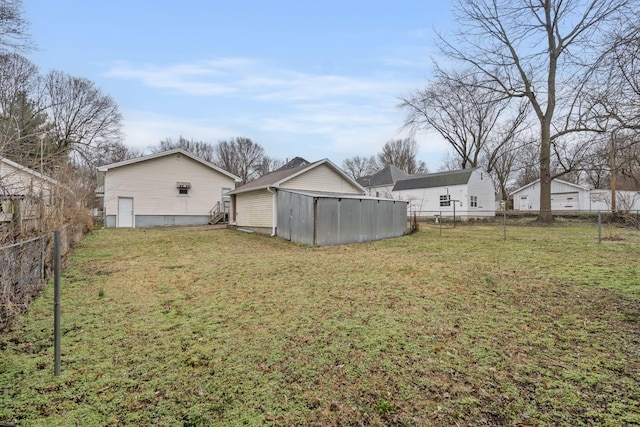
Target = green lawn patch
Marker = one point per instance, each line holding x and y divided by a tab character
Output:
176	326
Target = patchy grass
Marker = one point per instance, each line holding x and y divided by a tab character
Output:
195	327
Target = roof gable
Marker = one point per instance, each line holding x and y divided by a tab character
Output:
148	157
440	179
531	184
280	176
24	169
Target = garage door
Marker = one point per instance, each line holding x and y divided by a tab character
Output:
565	202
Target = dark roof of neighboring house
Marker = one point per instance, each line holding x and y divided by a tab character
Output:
440	179
293	163
386	176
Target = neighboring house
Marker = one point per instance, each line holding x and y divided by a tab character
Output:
381	183
314	203
465	193
566	196
31	192
173	187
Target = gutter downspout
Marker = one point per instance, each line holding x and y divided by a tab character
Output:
274	212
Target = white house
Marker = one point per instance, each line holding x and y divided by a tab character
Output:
566	196
465	193
380	184
173	187
35	192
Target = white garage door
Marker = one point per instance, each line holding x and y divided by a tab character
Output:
565	202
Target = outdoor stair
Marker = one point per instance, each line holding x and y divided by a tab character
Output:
217	218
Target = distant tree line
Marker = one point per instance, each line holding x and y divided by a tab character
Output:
240	156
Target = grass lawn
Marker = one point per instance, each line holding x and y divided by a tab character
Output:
191	327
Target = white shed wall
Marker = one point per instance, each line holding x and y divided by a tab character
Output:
564	197
600	200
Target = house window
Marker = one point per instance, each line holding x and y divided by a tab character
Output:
473	201
183	188
445	200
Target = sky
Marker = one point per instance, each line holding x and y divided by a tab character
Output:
318	79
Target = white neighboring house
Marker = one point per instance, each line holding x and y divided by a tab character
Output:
380	184
35	191
566	196
172	187
467	193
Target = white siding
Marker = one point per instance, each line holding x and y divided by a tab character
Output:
321	178
481	186
600	200
254	209
152	185
564	196
381	191
17	181
426	201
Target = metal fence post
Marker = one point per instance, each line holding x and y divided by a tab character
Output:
56	302
504	219
599	227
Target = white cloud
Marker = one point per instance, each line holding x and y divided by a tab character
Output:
255	80
144	129
316	115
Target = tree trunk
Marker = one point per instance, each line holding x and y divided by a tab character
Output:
545	214
612	168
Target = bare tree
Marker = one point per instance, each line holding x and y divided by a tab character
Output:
82	118
474	120
204	150
617	91
240	156
22	122
357	167
402	153
543	51
13	27
527	164
269	164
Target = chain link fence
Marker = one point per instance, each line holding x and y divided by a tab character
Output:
603	223
26	265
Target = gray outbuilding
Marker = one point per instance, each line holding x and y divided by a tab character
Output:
329	219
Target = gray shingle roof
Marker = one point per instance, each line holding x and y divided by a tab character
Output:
440	179
386	176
